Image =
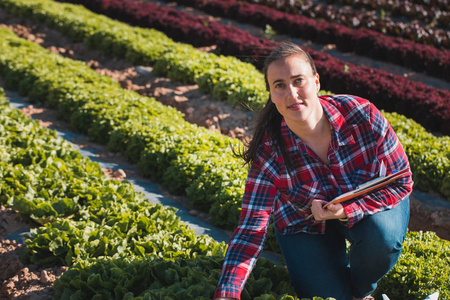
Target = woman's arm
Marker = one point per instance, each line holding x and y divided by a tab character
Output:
391	153
247	242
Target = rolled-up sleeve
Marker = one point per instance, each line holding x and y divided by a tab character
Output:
392	154
247	241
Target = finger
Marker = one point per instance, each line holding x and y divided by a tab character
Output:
335	207
332	207
321	202
316	207
317	210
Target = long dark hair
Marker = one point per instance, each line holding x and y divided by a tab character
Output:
269	119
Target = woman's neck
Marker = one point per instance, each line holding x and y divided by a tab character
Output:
315	128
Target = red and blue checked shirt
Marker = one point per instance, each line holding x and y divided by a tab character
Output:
361	138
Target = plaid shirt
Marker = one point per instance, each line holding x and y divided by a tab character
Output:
361	138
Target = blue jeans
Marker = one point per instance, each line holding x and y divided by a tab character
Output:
319	265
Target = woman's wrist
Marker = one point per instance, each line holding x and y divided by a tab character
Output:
343	216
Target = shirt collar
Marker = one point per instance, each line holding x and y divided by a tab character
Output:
341	131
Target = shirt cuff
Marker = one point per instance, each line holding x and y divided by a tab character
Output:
228	291
354	214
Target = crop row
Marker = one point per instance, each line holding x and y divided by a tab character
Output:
419	57
411	10
443	5
183	168
226	78
119	246
429	16
428	106
414	31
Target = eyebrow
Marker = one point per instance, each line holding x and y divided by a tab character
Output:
292	77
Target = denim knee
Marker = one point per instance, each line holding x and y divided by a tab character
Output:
385	231
376	244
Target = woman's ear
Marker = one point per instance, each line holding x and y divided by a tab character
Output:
317	81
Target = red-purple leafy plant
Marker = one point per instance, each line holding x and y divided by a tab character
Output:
428	106
419	57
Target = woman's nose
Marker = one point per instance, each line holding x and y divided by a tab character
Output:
293	91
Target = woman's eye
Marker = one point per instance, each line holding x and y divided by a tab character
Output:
298	80
279	86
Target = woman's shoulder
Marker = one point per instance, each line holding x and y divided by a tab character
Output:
268	146
346	101
353	108
267	151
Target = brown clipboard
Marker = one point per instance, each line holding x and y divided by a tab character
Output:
367	187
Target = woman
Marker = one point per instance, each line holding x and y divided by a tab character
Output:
306	151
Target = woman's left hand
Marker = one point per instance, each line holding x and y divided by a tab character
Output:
332	211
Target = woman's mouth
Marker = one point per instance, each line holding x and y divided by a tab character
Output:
295	106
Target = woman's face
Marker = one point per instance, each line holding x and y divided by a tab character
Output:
293	88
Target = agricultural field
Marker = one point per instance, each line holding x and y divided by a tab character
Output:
169	97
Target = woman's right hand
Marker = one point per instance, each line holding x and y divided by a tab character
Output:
333	211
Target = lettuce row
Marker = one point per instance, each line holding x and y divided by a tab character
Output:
227	78
429	155
423	269
83	213
150	277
